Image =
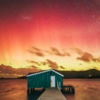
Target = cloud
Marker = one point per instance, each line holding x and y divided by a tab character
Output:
7	69
87	57
62	67
37	52
78	51
52	64
44	63
36	49
47	62
52	51
33	62
96	59
37	63
4	70
58	53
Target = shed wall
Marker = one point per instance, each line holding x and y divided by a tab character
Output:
43	80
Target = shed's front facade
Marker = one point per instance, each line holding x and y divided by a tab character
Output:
45	79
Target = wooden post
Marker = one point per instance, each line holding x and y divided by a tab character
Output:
32	90
29	90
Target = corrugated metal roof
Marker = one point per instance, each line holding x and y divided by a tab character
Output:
44	72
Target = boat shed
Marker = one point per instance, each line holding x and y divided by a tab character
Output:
45	79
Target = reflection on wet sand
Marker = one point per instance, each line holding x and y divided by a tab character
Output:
85	89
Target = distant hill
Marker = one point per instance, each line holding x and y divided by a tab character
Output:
92	73
23	77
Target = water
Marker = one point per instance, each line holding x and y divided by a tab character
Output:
85	89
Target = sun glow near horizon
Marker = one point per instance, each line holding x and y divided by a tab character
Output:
50	35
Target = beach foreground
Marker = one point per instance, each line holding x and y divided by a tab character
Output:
85	89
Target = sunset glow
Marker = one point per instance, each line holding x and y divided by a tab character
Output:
57	34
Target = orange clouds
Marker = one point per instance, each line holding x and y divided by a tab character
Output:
16	71
77	50
32	62
62	67
48	62
53	59
55	51
36	52
7	69
52	64
52	51
87	57
60	59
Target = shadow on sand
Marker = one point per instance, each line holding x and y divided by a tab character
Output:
34	95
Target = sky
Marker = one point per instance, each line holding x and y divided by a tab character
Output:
50	34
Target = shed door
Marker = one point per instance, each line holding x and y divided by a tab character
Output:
52	81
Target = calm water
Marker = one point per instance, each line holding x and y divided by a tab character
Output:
85	89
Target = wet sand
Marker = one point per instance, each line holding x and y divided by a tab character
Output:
85	89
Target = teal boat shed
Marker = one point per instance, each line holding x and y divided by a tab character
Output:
45	79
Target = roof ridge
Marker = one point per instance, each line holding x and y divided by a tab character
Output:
44	72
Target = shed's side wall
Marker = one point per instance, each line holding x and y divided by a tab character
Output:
39	81
43	80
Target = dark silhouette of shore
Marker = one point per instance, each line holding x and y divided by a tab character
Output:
92	73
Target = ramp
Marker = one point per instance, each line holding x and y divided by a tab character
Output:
52	94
